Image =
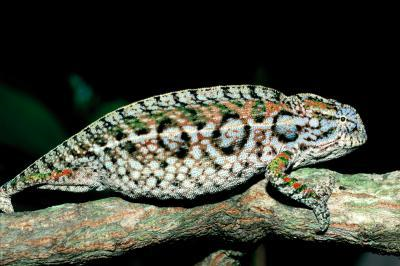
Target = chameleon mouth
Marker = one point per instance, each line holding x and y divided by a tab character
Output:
329	143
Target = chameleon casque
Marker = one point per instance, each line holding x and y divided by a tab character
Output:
195	142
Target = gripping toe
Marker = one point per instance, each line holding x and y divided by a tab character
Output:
322	214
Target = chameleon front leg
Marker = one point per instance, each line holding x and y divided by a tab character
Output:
316	198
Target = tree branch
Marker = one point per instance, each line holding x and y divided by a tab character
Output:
365	210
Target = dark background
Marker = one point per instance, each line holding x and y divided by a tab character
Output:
357	64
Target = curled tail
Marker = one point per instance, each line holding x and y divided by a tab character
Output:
5	202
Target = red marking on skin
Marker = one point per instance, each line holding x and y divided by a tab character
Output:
284	155
320	105
64	172
200	137
287	179
296	185
244	112
281	165
272	108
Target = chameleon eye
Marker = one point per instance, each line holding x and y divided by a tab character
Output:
343	119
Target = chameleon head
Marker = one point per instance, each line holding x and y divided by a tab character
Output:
332	130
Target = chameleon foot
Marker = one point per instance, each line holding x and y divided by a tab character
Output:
319	205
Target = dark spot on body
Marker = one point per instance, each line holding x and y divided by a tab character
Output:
252	92
164	124
216	134
129	147
285	138
258	143
119	135
120	111
245	137
227	150
90	154
142	131
87	131
182	152
259	118
185	136
259	154
216	166
162	144
227	116
200	125
100	141
303	147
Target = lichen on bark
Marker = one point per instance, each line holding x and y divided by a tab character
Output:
365	213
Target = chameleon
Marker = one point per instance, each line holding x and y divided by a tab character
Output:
198	142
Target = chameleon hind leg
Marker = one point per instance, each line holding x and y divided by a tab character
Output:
315	198
81	180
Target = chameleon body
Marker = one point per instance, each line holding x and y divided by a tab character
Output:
195	142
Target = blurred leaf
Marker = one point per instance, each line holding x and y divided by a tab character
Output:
105	108
83	93
26	123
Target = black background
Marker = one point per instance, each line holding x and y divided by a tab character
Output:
356	64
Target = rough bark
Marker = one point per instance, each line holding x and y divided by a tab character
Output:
365	210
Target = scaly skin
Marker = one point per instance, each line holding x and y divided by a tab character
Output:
189	143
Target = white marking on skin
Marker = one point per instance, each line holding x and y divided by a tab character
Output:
169	177
108	165
121	170
181	177
154	165
183	170
135	165
152	147
170	169
223	173
120	162
227	166
219	160
171	160
164	184
159	172
213	152
189	162
207	130
135	175
196	152
209	171
187	184
237	167
196	172
151	182
146	171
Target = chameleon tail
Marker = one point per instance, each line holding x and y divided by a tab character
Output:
5	202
